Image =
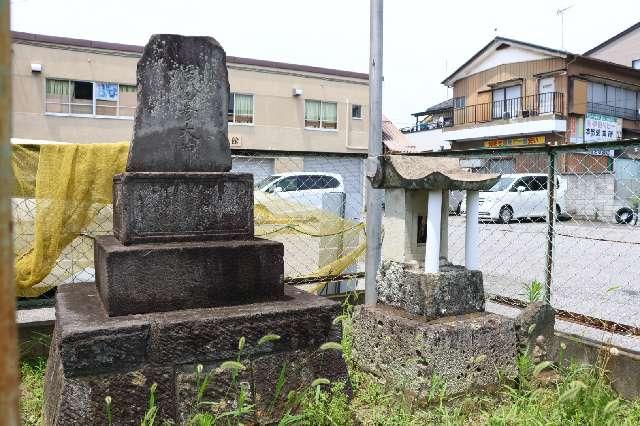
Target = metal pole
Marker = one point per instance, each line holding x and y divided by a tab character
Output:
8	343
374	196
551	218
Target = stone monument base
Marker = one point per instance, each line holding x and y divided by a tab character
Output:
143	278
454	290
93	355
465	351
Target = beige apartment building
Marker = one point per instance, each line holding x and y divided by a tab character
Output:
282	117
83	91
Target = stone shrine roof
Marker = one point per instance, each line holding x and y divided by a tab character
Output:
418	172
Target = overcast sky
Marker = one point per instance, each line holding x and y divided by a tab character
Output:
423	40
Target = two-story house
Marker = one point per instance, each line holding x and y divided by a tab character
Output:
515	93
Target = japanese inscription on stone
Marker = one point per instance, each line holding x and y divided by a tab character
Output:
181	123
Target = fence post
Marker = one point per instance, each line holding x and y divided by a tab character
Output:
8	343
374	196
551	218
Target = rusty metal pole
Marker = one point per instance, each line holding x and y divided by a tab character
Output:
8	342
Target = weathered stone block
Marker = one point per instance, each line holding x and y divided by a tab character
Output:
146	278
89	341
463	351
183	96
535	327
166	207
73	396
187	336
453	291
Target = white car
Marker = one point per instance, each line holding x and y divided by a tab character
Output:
307	188
519	196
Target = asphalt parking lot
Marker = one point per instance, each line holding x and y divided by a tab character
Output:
596	265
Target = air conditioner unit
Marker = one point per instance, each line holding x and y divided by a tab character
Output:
36	68
297	92
525	113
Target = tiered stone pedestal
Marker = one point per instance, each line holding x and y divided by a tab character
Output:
94	355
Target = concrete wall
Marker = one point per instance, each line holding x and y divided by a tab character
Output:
591	196
278	115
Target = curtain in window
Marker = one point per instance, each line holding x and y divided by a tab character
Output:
58	87
311	113
329	115
127	88
244	108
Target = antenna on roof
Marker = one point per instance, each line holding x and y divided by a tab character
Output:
560	13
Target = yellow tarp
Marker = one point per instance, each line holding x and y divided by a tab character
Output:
61	189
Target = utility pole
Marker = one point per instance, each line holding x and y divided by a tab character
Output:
8	343
374	196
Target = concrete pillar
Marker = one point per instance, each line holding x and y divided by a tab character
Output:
444	227
472	231
434	219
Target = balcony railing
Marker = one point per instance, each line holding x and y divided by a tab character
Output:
447	122
614	111
526	106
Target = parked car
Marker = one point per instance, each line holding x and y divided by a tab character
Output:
520	196
307	188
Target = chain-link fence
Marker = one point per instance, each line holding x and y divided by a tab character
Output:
589	254
312	203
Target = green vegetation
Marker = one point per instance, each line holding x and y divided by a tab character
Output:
31	391
542	394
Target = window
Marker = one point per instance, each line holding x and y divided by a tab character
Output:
635	64
525	182
458	102
539	183
89	98
320	115
287	184
240	108
356	111
612	100
506	101
317	182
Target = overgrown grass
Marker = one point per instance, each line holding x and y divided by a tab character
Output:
31	391
541	395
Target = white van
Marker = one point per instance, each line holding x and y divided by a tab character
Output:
519	196
305	188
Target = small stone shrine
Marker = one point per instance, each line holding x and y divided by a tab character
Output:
183	278
430	321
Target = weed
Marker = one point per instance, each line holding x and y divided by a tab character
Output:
532	291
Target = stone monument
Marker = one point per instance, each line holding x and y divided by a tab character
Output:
183	278
430	319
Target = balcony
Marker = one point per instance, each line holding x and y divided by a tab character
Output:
613	111
420	127
551	103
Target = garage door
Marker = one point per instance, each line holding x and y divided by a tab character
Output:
351	170
260	167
